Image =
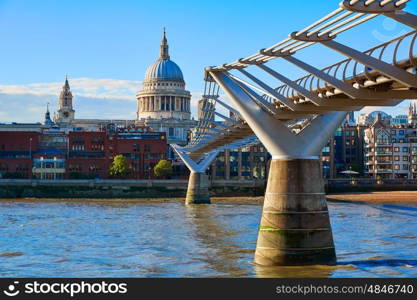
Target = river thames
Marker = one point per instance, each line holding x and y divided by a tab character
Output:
169	239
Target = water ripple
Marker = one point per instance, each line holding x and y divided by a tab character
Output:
169	239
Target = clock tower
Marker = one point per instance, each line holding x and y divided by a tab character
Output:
65	111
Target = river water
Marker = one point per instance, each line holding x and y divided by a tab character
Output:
169	239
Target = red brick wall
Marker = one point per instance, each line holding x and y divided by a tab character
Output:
142	154
18	140
89	154
15	151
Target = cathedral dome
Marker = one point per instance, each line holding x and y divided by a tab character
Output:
163	95
164	68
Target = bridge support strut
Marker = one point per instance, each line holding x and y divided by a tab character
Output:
198	184
295	225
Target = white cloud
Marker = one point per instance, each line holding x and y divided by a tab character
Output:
399	109
100	99
31	108
93	99
81	87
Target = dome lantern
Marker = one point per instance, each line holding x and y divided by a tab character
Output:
164	47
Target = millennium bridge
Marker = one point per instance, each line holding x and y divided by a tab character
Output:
295	119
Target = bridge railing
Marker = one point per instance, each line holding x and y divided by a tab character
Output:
349	70
319	85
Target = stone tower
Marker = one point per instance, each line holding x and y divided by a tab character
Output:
65	112
412	114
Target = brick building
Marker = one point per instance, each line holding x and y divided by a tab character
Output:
54	154
142	148
88	154
16	149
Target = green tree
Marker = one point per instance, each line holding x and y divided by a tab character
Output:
119	167
163	168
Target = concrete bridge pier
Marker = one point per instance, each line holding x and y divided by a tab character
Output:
198	184
295	226
198	189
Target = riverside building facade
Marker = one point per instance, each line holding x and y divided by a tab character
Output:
53	154
344	151
245	163
391	149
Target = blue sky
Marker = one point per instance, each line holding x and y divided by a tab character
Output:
106	46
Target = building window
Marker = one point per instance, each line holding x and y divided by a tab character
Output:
171	131
405	149
78	147
396	149
382	138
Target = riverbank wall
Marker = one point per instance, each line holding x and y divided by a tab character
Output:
369	185
22	188
122	188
